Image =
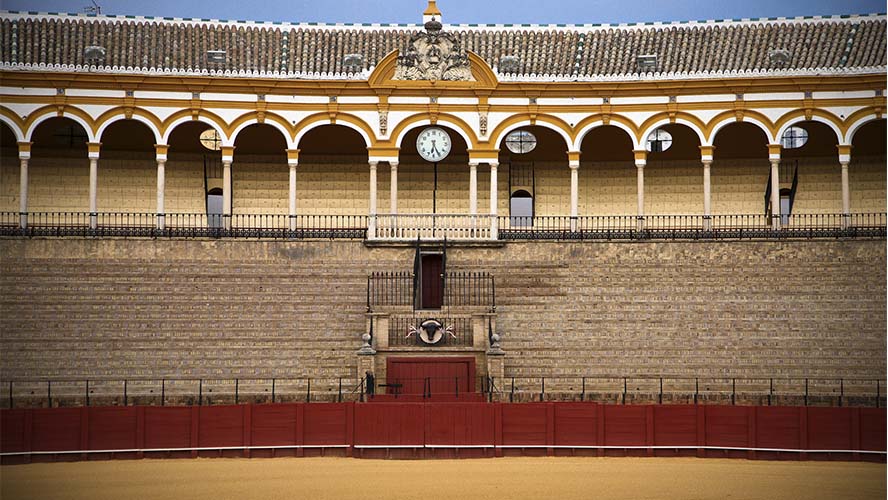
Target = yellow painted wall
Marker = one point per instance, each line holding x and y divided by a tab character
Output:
184	191
260	185
867	181
127	182
9	180
738	186
58	184
820	185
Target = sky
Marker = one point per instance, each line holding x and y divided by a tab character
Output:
461	11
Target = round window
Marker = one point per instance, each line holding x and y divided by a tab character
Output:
658	141
211	140
794	137
521	141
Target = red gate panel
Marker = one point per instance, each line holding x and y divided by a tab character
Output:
439	375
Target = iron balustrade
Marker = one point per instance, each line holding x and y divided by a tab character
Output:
616	389
437	226
461	289
400	327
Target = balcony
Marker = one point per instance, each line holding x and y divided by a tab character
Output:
405	228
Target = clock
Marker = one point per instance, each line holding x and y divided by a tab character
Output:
433	144
211	140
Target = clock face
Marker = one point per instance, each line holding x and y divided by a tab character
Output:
433	144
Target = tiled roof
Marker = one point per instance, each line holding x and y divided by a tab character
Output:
817	45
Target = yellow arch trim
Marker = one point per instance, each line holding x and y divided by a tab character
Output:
585	122
407	123
792	115
707	132
121	110
254	115
65	108
522	117
14	118
325	116
204	115
669	115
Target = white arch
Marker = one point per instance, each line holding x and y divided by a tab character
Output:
691	125
733	119
254	121
849	136
814	118
46	116
526	123
427	122
320	123
19	135
581	134
182	119
138	118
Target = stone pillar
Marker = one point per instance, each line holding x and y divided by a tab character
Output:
493	201
393	188
640	162
573	163
706	158
371	226
845	161
93	153
774	158
160	151
473	188
24	156
227	159
292	163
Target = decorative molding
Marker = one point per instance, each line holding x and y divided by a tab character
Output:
433	55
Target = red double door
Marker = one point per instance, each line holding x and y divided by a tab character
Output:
430	376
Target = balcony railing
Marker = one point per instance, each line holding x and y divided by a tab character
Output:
409	227
453	227
460	289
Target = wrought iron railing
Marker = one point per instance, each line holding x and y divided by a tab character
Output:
404	331
439	227
614	389
461	289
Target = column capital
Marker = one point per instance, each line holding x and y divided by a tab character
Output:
844	152
774	151
161	150
493	164
292	157
706	153
640	157
393	164
483	155
24	149
573	159
227	153
93	149
473	163
373	163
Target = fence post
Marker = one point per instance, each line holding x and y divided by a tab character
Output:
841	391
806	392
733	391
660	395
770	390
339	397
308	392
87	392
624	390
125	399
236	391
583	396
163	392
49	393
272	390
10	394
696	388
512	394
542	387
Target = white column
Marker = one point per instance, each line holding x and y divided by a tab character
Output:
639	165
775	193
292	195
161	182
371	226
23	189
846	190
226	192
493	200
473	188
707	196
393	188
93	189
574	195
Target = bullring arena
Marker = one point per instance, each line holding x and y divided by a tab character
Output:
246	259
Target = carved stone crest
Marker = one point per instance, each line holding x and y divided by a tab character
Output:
434	55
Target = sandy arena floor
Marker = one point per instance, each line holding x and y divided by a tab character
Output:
504	478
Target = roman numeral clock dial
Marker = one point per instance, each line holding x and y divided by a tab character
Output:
433	144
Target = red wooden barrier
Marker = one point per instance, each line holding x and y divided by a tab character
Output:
444	429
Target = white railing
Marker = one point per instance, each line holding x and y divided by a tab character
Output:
409	227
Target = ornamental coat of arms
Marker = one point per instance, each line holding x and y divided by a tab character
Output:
433	55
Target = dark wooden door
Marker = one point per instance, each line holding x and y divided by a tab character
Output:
435	376
432	296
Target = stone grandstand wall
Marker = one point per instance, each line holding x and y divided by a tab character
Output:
114	309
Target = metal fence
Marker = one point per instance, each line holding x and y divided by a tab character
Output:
614	389
461	289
